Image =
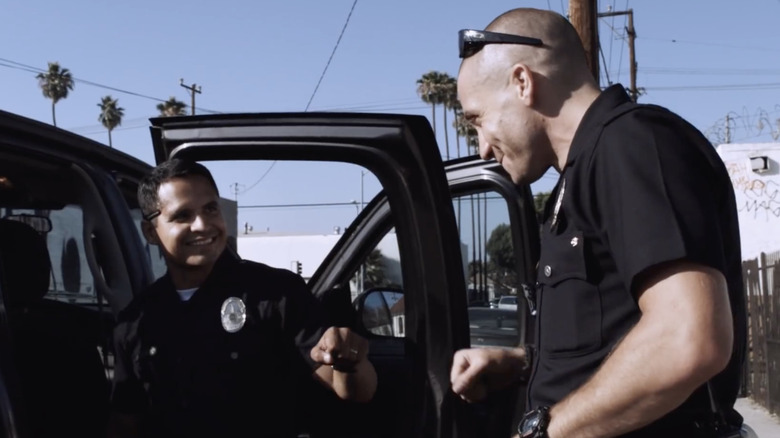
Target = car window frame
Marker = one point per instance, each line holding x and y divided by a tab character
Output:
401	151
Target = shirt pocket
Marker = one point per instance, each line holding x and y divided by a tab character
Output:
570	306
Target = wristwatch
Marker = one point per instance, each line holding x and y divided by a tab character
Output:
534	423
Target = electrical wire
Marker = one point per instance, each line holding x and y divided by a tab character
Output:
20	66
317	87
333	52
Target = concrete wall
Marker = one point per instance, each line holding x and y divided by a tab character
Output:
757	193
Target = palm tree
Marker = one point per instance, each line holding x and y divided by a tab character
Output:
110	115
55	85
457	111
429	90
448	91
171	107
465	129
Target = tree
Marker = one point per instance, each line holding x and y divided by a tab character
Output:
540	200
374	271
448	90
110	115
171	107
502	268
466	130
55	84
429	90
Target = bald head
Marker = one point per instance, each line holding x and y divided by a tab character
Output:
525	100
561	58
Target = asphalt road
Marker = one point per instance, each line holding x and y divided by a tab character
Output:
764	424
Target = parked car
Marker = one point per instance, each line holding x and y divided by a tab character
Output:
78	198
508	302
493	327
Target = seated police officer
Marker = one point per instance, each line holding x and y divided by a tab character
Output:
219	346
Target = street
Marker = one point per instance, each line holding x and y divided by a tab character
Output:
758	418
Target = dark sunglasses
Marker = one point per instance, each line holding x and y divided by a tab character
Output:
152	215
472	41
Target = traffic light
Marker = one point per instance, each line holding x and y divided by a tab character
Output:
298	268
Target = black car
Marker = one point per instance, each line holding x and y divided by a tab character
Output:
60	300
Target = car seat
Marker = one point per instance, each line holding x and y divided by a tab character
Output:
63	383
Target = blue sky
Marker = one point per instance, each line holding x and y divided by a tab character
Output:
703	60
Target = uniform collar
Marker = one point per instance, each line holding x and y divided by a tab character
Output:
221	270
594	119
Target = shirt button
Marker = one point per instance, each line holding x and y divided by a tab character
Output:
547	271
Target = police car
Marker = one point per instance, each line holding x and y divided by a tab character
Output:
72	256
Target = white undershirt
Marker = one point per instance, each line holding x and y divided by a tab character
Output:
186	294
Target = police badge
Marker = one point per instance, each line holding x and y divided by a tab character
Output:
233	314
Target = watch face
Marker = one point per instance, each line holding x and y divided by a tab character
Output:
534	422
529	424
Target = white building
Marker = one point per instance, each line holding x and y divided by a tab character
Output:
287	250
755	175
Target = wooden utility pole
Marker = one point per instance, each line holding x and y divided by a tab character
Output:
192	89
632	90
582	15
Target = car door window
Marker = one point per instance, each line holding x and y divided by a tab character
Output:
490	266
70	280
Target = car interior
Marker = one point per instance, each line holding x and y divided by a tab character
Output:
63	280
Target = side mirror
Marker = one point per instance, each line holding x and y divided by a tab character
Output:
381	312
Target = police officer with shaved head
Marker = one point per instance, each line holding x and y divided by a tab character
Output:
638	304
218	346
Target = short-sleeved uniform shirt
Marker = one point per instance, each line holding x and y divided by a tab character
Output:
178	366
640	187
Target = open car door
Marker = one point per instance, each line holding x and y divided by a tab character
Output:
499	247
414	397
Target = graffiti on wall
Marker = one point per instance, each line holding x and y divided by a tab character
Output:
756	197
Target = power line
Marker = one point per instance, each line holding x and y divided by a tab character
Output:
317	87
333	52
706	43
729	87
20	66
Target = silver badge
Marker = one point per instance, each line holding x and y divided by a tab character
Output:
233	314
558	202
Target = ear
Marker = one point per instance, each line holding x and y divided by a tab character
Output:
523	82
149	233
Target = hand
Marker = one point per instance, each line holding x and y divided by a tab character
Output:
340	348
477	371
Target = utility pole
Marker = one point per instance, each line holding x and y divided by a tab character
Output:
728	129
632	90
582	15
236	187
192	89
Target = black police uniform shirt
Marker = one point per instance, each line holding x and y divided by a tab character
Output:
640	187
178	367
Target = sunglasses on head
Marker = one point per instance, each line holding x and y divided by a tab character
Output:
472	41
149	216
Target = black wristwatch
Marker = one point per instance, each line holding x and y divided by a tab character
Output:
534	423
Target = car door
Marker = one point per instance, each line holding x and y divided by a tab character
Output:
499	247
401	152
70	262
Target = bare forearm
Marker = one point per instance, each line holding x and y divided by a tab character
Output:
647	376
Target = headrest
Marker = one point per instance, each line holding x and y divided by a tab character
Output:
24	258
